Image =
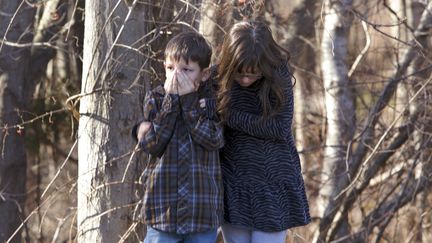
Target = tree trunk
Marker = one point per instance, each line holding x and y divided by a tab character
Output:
339	103
216	18
110	105
399	12
15	95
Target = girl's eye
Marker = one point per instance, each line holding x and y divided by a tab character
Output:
169	68
187	69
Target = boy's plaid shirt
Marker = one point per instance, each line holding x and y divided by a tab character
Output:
183	178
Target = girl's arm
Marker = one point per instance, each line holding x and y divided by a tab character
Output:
276	127
162	118
202	122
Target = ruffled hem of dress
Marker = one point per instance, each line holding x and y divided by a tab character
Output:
266	207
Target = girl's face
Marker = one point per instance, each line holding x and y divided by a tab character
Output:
247	77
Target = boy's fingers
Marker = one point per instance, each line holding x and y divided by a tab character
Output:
176	85
180	76
143	128
202	103
184	78
189	82
171	84
179	81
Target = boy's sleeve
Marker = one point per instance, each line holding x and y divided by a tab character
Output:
163	118
202	123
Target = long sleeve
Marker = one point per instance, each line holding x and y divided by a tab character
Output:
276	127
202	123
163	118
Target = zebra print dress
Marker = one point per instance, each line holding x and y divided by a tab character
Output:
263	184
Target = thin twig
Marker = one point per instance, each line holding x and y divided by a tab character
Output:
60	169
109	52
381	139
363	52
130	161
32	44
99	39
128	232
49	113
10	24
377	26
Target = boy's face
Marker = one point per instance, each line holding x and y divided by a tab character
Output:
191	70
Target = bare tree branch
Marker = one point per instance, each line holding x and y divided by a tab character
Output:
375	112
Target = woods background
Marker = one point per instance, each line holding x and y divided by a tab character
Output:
73	74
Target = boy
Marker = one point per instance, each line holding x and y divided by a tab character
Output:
183	197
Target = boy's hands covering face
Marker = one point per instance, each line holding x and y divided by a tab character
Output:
180	83
186	84
171	85
183	77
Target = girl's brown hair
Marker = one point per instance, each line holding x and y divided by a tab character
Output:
249	45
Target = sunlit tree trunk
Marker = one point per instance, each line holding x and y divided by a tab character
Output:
399	11
109	107
340	110
301	109
216	18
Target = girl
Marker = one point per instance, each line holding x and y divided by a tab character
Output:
264	188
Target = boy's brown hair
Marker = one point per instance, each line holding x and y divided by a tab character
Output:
189	46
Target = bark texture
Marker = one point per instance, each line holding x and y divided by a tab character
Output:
109	107
339	102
